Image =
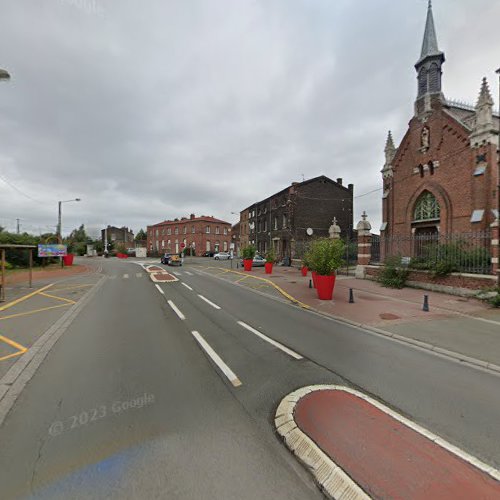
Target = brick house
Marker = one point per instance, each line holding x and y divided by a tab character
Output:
282	220
199	234
443	177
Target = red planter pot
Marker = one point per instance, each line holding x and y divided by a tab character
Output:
247	264
269	267
304	270
68	259
324	286
313	274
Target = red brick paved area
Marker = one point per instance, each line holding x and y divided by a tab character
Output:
385	457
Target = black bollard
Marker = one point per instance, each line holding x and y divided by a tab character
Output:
310	284
426	303
351	296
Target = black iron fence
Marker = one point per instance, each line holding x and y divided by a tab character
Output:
454	252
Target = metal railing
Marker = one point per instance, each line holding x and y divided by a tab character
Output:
454	252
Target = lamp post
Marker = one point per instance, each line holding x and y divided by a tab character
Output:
59	227
4	75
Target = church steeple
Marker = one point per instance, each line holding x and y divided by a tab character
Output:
429	65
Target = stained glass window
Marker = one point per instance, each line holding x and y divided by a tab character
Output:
427	207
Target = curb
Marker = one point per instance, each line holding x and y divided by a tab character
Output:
21	372
331	478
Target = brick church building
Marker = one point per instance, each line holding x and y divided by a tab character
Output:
443	177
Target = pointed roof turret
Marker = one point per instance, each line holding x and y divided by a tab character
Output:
390	153
389	145
485	98
430	44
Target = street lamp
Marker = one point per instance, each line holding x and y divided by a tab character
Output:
59	228
4	75
498	149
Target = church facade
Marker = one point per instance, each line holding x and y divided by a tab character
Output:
443	176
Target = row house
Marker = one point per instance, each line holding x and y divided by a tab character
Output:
196	234
289	219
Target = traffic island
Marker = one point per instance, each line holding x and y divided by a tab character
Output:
357	448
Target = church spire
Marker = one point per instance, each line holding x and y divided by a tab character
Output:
430	43
429	66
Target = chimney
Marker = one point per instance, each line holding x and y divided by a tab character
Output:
339	181
192	216
350	187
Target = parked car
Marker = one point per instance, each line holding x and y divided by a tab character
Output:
258	261
222	256
165	258
208	254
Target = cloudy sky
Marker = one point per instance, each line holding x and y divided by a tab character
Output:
154	109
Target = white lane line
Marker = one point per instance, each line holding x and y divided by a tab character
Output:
176	310
188	273
291	353
187	286
176	273
215	306
138	275
125	276
217	360
159	289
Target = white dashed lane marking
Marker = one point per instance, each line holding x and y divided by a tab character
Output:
217	360
188	273
291	353
159	289
176	310
187	286
209	302
125	276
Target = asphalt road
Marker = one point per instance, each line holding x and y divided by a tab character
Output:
128	405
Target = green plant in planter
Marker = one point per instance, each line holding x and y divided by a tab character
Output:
248	252
270	256
306	260
325	256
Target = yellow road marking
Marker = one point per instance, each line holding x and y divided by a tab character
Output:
58	298
280	290
70	287
21	349
34	311
25	297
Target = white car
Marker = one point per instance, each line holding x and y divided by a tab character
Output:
222	256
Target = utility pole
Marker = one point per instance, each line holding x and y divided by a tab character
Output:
18	227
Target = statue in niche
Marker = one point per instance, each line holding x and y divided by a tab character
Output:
425	138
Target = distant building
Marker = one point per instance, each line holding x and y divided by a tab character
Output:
197	234
288	220
443	176
118	235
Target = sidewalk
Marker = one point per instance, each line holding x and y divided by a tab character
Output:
358	448
465	326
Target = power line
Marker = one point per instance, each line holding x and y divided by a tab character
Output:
19	191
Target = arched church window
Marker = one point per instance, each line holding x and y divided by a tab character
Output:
434	78
427	207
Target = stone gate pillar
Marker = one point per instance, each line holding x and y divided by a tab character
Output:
364	246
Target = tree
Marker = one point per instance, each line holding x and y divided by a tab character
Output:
78	235
141	235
